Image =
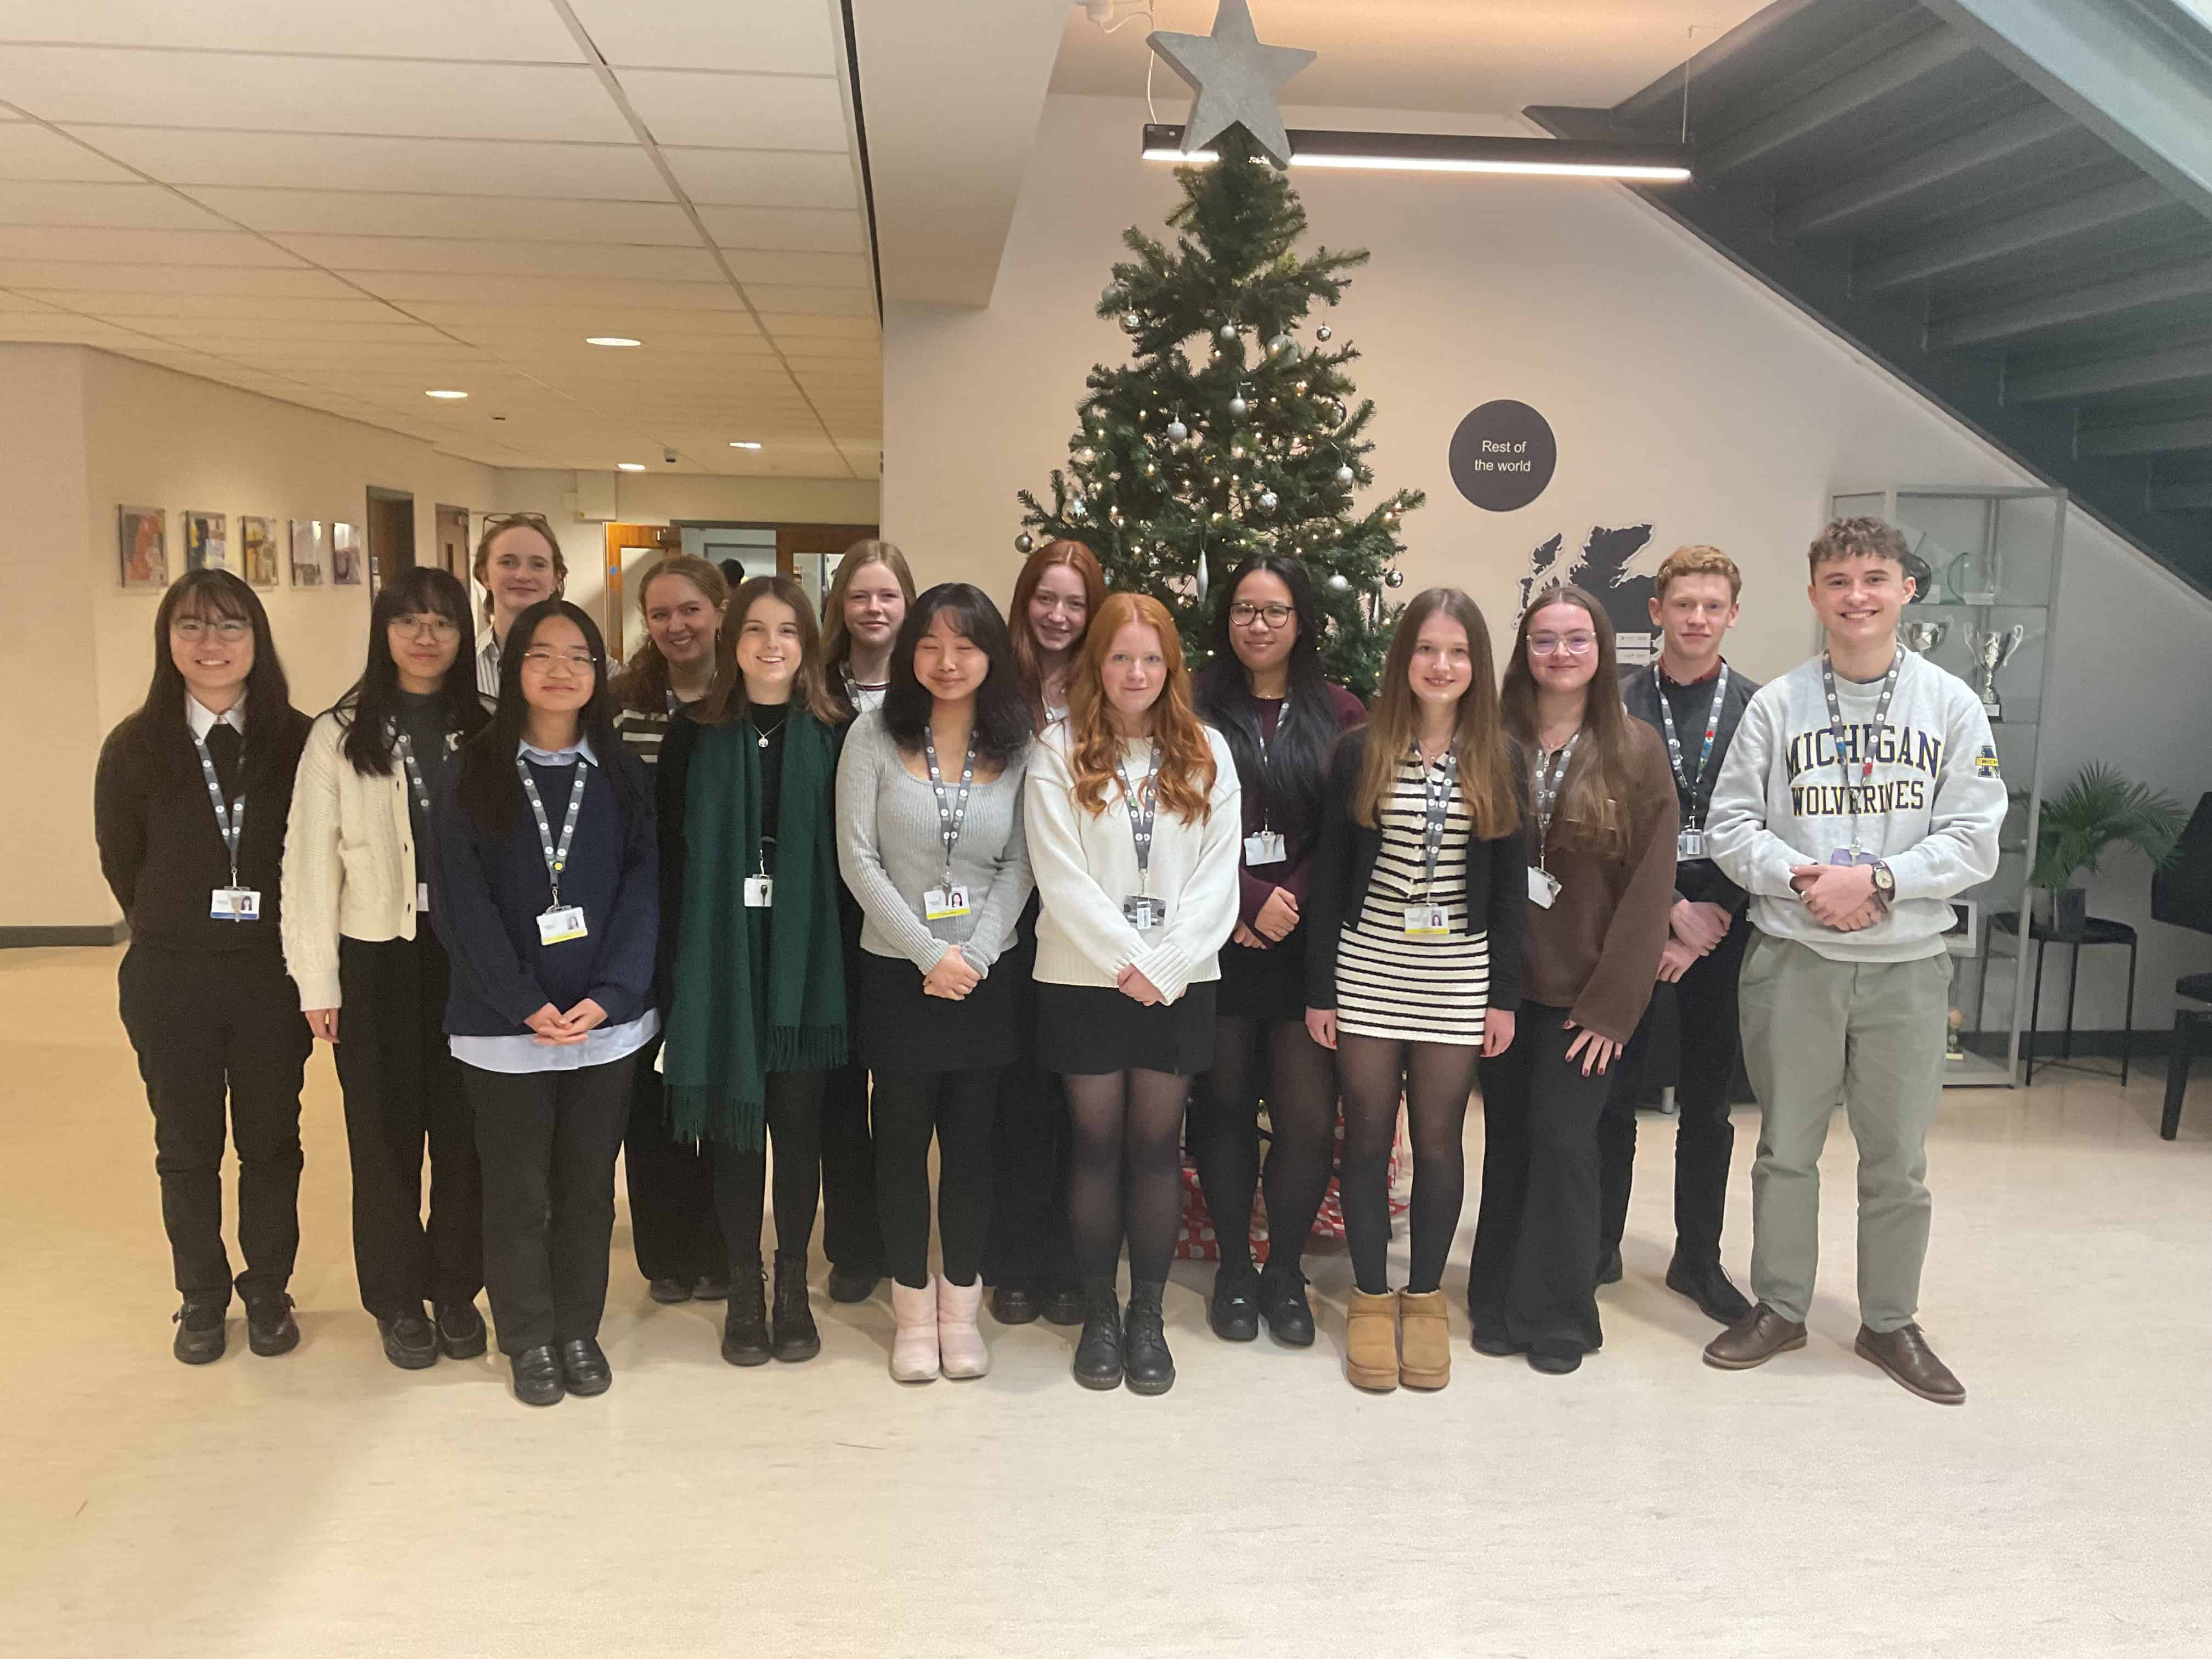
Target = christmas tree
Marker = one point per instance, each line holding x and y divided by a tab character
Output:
1226	434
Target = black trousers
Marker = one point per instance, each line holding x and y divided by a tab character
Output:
794	1131
957	1109
221	1036
548	1141
404	1091
1532	1279
672	1227
1704	1140
852	1230
1031	1243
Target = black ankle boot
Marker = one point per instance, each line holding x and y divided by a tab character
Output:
744	1318
1098	1352
1148	1367
1283	1304
796	1338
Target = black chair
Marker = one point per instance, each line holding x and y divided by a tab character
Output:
2181	894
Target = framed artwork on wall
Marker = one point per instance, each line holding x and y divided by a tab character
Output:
141	538
346	555
309	538
207	542
257	551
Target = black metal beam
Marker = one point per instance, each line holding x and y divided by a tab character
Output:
1933	49
2039	437
2189	279
2014	234
2153	438
2136	373
1830	210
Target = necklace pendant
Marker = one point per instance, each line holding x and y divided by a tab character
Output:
763	742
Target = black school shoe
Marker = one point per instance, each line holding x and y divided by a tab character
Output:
1064	1305
1233	1308
1098	1353
1707	1284
1283	1304
1014	1304
711	1287
461	1332
853	1284
411	1342
270	1327
669	1291
1147	1367
795	1336
537	1377
200	1337
584	1368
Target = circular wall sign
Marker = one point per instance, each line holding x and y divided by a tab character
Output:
1502	456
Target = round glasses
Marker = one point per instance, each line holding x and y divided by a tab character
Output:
1574	645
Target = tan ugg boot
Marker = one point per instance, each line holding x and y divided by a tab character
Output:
1426	1334
1370	1341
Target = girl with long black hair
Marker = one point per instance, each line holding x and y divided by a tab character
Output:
189	803
1264	692
546	897
1418	898
363	946
929	834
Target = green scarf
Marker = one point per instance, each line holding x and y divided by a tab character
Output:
756	990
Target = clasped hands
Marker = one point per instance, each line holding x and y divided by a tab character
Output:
1277	917
561	1031
1839	896
1694	928
953	977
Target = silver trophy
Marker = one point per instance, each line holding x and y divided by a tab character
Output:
1992	648
1922	636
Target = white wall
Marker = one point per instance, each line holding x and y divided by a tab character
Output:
1681	392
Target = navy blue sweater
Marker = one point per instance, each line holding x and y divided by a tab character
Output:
487	894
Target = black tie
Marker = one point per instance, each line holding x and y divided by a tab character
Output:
225	744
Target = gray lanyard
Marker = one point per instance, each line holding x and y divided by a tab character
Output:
1141	822
229	819
1267	769
1549	779
556	858
1836	734
1437	782
951	810
405	747
1694	813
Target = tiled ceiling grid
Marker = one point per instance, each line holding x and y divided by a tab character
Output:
348	206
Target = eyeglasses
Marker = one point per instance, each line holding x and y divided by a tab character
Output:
229	630
437	627
1575	645
500	522
1245	614
541	659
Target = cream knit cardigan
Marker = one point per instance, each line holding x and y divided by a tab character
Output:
350	862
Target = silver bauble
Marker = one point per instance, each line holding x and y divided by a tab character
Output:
1203	582
1345	475
1112	296
1077	508
1178	431
1227	333
1269	500
1394	578
1025	542
1281	343
1131	322
1338	582
1238	407
1324	334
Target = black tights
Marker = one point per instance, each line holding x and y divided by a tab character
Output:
957	1108
1225	1135
1437	1078
1134	1116
794	1123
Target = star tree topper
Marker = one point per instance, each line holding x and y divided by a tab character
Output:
1236	79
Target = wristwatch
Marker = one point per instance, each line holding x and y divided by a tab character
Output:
1885	884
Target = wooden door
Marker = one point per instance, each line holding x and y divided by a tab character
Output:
453	551
630	546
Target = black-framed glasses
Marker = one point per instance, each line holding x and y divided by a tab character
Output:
1244	613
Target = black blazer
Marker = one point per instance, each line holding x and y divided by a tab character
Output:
1697	880
1344	868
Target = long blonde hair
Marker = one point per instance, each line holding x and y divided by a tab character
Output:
1094	750
1486	780
643	688
836	640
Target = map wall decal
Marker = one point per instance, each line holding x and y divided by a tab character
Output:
1601	567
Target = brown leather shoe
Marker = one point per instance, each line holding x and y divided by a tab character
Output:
1911	1363
1755	1340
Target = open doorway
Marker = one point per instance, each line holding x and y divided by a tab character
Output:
391	535
453	549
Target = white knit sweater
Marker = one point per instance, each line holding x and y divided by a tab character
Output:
1085	865
348	862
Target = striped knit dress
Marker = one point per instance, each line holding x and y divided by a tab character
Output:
1414	989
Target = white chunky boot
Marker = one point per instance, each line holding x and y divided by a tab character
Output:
959	1343
914	1349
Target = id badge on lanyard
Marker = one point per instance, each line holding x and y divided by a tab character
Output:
1690	840
1264	846
1140	909
948	899
943	903
1543	885
233	902
1428	919
557	923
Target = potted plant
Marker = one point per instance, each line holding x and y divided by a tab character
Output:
2098	809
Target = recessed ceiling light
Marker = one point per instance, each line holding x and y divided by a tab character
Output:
630	466
448	395
610	340
743	443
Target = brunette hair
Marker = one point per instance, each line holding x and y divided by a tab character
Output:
500	522
486	785
1296	765
644	687
1094	747
216	595
1487	782
1593	802
1852	538
1003	727
1084	563
810	689
836	639
1697	561
371	706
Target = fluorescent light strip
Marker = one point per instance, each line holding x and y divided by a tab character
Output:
1385	152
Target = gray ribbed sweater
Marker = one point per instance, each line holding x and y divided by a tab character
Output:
889	850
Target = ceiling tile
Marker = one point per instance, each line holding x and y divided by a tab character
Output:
177	247
380	253
144	207
766	178
797	301
803	230
566	326
738	111
70	85
781	36
126	279
171	306
202	330
823	334
483	29
752	265
466	166
576	292
494	217
28	150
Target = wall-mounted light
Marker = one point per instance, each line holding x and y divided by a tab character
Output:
1655	163
610	340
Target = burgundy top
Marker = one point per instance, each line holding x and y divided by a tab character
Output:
1287	818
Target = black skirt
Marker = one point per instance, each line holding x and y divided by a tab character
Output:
1087	1028
901	1027
1268	984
